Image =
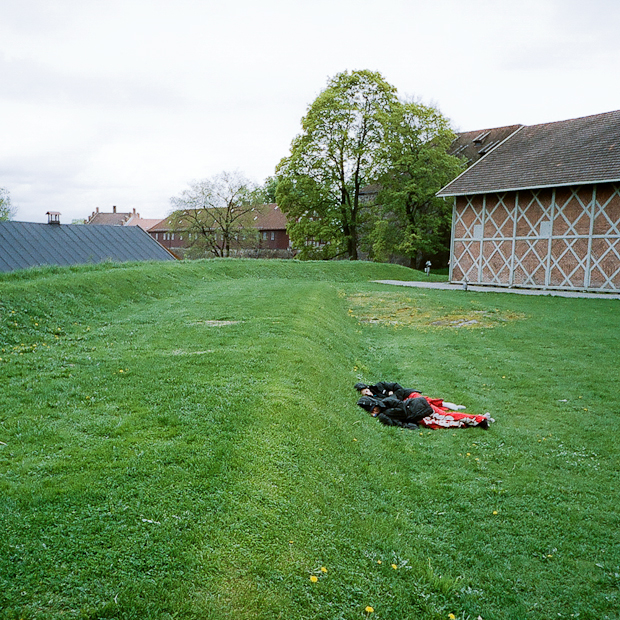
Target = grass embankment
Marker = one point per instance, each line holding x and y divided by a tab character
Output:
182	441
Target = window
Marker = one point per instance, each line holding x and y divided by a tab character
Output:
273	235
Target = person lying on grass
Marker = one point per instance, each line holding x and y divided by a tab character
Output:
384	390
420	410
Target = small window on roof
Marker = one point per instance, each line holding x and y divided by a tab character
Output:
479	138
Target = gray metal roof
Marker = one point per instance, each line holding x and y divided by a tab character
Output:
574	152
25	244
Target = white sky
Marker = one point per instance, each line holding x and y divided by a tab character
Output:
123	102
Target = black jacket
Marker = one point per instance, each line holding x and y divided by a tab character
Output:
386	390
394	412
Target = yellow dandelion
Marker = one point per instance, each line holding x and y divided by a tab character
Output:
452	616
323	569
394	566
354	439
313	578
468	454
495	512
378	561
369	609
121	370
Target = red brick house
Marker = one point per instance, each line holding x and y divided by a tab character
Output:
541	208
269	222
116	218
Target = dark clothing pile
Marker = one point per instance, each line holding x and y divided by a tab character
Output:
385	390
395	412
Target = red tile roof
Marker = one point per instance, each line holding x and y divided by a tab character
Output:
270	217
267	217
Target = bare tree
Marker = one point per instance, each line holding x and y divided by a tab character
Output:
7	210
217	213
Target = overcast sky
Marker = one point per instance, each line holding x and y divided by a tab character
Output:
123	102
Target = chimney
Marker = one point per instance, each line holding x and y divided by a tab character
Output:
134	210
97	209
53	217
114	209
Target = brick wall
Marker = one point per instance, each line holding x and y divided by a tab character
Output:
564	238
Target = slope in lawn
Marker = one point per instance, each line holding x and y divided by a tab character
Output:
184	442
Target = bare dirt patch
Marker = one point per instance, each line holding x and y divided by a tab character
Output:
396	310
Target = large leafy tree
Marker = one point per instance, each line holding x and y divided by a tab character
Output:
217	213
409	220
7	210
332	159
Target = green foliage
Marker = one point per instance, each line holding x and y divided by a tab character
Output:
336	154
268	190
358	133
183	442
410	220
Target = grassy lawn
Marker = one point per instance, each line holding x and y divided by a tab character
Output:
182	441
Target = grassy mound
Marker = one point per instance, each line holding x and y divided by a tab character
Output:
182	441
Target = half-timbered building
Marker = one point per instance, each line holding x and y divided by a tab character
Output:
541	208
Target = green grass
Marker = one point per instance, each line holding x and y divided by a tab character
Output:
182	441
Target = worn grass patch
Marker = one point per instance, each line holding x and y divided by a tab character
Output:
401	309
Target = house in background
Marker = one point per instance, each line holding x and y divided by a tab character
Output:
540	208
25	244
271	226
269	222
116	218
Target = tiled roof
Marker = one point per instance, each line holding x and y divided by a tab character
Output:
577	151
270	217
143	223
108	219
267	217
472	145
24	244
